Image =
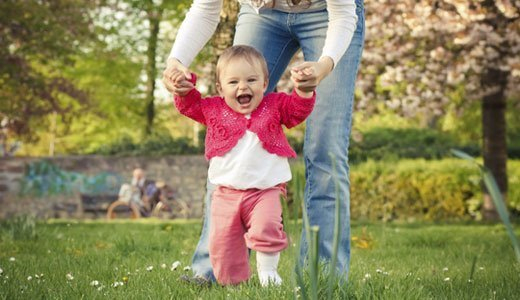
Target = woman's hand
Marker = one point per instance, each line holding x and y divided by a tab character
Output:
176	78
308	75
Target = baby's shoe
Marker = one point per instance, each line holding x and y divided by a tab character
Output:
269	278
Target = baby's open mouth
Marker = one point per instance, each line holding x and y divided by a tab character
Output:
244	99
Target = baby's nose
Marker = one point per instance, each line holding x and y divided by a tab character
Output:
242	85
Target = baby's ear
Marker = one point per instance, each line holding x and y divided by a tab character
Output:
219	89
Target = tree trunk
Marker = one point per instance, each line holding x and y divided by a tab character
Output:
154	17
223	37
494	135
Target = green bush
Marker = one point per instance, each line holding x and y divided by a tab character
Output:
395	143
447	189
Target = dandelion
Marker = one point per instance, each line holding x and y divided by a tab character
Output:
12	258
29	278
69	276
447	279
175	265
445	269
149	268
163	266
94	283
125	279
187	268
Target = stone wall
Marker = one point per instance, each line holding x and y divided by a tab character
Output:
185	174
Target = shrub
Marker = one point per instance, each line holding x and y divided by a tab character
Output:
447	189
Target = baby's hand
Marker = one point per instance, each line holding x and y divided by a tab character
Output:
181	85
300	78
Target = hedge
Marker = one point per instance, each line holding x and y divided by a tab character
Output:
448	189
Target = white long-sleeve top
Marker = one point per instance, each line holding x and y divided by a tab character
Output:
203	16
248	165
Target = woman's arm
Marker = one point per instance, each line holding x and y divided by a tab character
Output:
342	24
340	29
196	29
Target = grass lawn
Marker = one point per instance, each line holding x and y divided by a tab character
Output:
73	260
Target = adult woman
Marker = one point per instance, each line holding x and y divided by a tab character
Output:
330	34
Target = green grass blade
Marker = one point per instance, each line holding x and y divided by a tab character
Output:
499	202
335	242
496	197
462	155
314	261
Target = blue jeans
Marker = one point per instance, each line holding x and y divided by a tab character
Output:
279	36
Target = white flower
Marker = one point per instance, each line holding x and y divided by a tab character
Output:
445	269
69	276
117	283
447	279
481	268
163	266
379	271
12	258
29	278
187	268
94	283
470	280
149	268
367	276
1	271
175	265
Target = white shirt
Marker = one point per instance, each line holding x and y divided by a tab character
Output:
248	165
203	17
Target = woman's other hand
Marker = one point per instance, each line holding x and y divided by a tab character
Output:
308	75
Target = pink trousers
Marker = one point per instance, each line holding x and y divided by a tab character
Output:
242	219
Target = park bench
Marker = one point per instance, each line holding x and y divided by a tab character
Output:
103	204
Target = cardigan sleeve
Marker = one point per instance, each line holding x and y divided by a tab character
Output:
191	106
294	109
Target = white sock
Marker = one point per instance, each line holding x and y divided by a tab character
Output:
267	264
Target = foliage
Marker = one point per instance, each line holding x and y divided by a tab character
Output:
407	261
39	39
420	55
419	190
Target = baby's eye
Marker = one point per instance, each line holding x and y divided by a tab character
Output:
233	82
251	80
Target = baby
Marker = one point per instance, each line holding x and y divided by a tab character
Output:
248	161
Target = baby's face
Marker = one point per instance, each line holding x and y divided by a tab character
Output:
242	85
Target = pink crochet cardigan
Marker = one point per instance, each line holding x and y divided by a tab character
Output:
225	126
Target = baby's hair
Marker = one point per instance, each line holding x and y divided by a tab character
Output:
248	53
